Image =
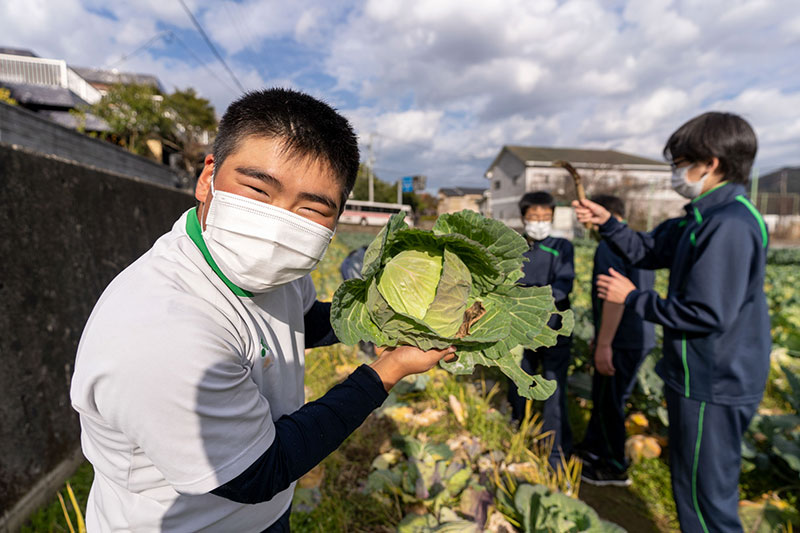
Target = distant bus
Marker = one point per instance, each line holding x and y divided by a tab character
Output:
367	213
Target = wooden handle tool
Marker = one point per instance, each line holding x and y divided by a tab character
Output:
579	190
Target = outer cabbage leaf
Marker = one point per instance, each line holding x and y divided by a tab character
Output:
375	251
349	315
526	311
481	263
506	245
533	387
446	313
399	328
491	327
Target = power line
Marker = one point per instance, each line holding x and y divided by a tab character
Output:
201	62
239	30
147	44
211	45
168	35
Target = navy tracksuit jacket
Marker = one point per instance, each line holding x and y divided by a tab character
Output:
716	342
550	262
634	338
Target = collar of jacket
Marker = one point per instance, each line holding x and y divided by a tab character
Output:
723	193
547	241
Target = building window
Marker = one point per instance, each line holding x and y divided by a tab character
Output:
515	179
496	184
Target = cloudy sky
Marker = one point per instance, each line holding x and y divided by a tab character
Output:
440	85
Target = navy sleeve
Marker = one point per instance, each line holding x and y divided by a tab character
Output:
318	329
652	250
606	259
715	284
304	438
563	272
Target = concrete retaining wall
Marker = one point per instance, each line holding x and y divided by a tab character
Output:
65	231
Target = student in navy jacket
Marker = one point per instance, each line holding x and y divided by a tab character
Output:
550	262
715	316
622	341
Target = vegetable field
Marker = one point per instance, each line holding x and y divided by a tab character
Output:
442	456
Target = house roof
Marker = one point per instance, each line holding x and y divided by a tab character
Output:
461	191
17	51
111	77
30	95
774	181
574	155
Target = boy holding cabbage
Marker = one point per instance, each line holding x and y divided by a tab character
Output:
550	262
189	374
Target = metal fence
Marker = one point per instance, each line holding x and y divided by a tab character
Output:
782	204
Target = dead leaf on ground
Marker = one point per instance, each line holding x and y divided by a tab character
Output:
640	447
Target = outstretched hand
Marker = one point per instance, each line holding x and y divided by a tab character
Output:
396	363
589	212
614	287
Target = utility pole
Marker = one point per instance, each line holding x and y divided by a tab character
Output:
370	163
754	187
400	191
650	195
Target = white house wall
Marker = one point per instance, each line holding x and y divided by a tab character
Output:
507	185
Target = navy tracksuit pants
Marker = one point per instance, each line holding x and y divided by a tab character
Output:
605	434
705	458
554	362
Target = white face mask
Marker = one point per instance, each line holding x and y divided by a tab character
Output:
685	188
538	230
258	246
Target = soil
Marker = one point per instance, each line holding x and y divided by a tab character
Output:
623	507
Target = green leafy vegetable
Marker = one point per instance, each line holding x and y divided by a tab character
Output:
545	510
453	285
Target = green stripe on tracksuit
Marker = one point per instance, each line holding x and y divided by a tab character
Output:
705	459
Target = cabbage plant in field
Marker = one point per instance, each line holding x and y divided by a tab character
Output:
453	285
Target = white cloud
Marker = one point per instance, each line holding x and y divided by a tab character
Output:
773	115
448	83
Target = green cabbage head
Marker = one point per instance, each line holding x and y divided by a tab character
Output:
453	285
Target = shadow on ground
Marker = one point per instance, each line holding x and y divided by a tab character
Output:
625	508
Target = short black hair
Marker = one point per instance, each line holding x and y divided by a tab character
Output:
613	203
305	125
536	198
725	136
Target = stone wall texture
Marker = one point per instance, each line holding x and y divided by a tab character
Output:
65	231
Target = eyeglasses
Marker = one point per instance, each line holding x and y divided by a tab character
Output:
674	165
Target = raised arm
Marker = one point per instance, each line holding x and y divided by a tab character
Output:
716	283
651	251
